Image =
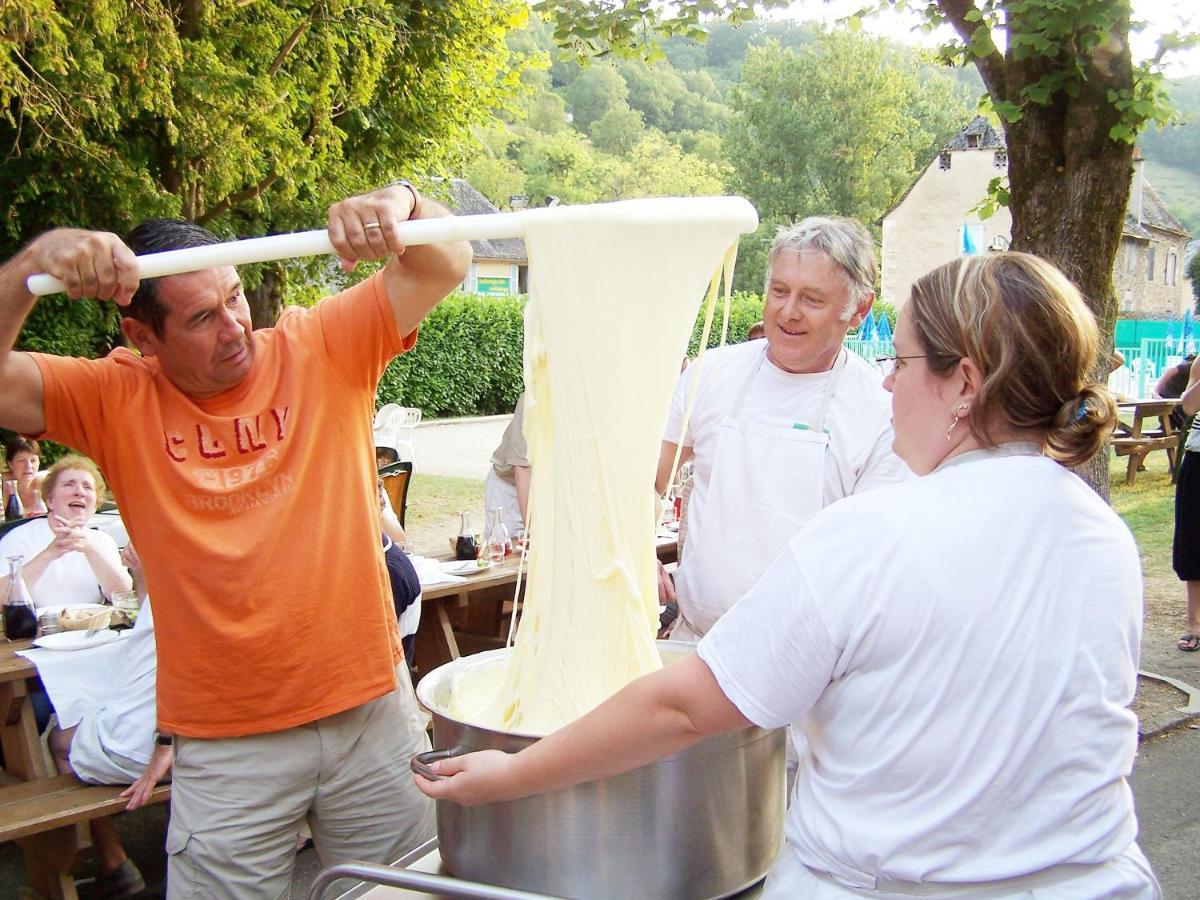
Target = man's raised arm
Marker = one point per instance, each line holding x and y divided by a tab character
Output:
90	264
417	278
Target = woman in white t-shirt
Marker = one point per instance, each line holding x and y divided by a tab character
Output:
65	561
959	650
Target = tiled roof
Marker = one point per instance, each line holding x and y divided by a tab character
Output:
1155	212
466	201
987	137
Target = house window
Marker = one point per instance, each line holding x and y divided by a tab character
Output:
972	141
1130	256
1127	302
1000	159
944	160
1150	263
1172	262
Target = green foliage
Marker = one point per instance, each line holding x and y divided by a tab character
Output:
247	117
636	27
1173	153
467	360
745	309
840	126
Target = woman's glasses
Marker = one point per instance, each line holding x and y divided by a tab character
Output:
889	364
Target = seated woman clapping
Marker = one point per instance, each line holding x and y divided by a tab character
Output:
65	561
960	650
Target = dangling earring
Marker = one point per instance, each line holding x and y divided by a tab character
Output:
959	412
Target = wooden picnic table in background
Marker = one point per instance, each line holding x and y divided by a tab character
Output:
472	616
1135	440
46	813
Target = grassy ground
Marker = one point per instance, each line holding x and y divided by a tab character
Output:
1148	508
434	504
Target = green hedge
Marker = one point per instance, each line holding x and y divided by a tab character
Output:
467	361
744	310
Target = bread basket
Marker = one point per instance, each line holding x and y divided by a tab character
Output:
80	618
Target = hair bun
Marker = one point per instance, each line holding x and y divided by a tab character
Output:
1082	425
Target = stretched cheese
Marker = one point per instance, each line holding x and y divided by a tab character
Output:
614	292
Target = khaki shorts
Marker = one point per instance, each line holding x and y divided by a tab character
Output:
238	804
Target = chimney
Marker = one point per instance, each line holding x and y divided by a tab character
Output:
1137	192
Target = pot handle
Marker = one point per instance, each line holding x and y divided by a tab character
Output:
420	762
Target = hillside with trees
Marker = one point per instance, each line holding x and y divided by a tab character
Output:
1173	154
798	120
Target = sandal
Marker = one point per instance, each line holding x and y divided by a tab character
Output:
1190	642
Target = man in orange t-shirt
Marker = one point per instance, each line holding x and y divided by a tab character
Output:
277	640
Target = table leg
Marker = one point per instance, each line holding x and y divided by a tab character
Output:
50	857
23	756
435	644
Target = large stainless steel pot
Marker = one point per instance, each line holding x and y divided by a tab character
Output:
706	822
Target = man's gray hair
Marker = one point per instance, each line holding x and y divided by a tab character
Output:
843	241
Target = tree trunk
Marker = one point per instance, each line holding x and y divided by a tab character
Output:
1069	187
266	300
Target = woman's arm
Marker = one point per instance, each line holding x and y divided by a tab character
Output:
105	563
35	566
1190	400
156	770
655	716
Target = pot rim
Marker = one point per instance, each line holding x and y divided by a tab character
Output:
428	685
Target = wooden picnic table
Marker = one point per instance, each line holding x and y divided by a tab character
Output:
472	616
1135	440
45	813
24	761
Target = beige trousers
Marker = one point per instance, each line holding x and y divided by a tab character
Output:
238	804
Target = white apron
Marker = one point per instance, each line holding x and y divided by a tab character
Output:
767	481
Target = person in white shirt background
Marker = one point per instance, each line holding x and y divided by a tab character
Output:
65	561
116	742
961	649
780	428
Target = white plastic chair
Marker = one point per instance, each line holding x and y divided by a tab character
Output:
394	427
1123	383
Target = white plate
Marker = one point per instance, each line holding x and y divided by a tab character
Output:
76	640
466	567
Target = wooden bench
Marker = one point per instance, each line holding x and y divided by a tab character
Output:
48	817
31	807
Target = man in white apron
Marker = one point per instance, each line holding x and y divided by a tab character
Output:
779	429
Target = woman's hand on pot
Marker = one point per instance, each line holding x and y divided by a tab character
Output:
472	779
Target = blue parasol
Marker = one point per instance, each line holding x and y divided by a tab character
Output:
883	330
866	331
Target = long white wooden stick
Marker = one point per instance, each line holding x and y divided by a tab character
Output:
416	231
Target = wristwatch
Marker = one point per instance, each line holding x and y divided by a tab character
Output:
416	204
163	740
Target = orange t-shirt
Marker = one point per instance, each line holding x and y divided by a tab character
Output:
255	515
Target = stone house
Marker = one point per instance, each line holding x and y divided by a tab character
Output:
936	220
500	267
